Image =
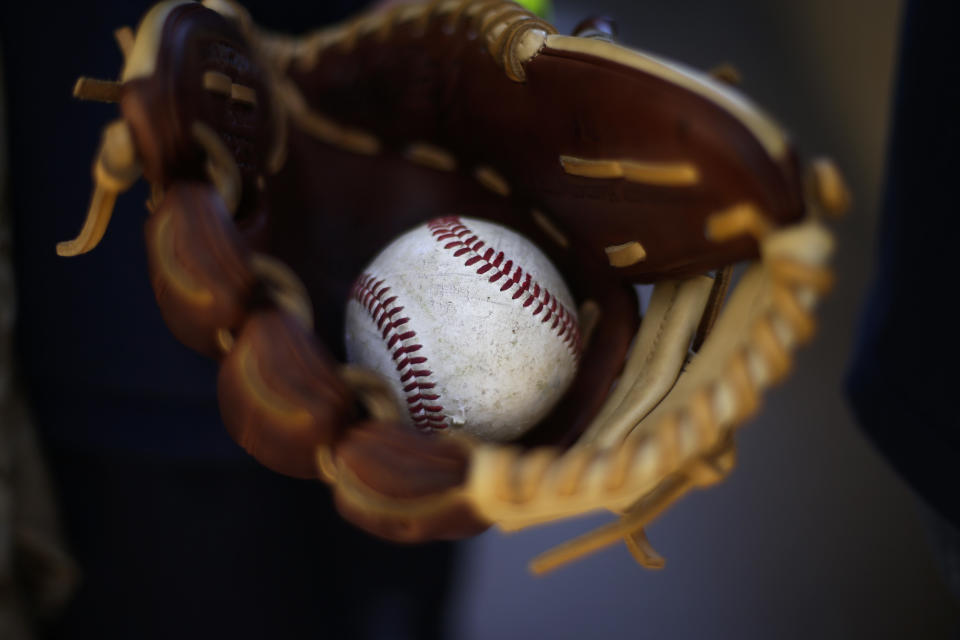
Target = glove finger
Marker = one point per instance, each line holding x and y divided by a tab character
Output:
394	460
198	265
280	395
199	105
404	485
453	522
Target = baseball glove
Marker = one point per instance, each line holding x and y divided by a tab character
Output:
281	165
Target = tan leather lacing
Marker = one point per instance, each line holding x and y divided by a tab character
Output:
512	35
682	444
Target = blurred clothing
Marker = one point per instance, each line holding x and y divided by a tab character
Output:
36	575
203	550
902	384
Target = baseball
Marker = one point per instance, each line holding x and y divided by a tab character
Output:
471	325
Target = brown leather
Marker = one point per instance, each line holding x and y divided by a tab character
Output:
160	109
394	460
400	466
328	211
198	265
439	84
458	520
280	395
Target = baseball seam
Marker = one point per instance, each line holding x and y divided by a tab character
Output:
459	239
423	403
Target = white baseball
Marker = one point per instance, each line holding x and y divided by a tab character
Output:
470	323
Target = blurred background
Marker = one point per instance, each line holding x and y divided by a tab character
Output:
813	535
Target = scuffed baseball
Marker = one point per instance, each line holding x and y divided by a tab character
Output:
470	323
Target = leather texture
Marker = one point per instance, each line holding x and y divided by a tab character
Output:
282	165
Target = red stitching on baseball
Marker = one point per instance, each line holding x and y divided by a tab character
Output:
564	324
369	292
